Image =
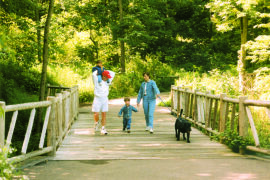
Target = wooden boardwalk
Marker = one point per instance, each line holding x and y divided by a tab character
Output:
82	143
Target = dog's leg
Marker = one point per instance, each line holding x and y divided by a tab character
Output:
178	134
188	134
184	136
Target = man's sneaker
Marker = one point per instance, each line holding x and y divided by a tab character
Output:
147	128
96	126
151	131
128	131
103	131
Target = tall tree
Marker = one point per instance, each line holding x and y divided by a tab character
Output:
45	56
122	43
235	14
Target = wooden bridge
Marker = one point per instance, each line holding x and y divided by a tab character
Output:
69	135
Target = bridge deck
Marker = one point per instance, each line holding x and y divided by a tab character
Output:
82	143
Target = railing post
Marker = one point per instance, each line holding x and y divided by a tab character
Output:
195	110
243	120
207	110
186	102
51	141
222	123
172	98
2	123
178	101
59	120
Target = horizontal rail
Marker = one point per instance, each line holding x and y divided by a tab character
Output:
217	113
26	106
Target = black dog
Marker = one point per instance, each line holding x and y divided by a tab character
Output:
183	126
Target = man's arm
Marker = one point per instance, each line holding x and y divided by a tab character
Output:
95	78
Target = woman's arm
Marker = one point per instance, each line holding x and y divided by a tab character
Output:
139	95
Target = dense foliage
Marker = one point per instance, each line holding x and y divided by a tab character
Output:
195	40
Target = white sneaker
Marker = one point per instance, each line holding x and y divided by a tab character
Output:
96	126
147	128
151	131
103	131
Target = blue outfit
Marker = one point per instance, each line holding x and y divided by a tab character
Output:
148	92
99	72
127	113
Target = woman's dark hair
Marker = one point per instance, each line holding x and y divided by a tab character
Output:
147	73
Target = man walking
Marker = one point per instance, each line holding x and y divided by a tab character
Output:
100	103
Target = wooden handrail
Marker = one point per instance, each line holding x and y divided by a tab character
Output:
211	112
54	126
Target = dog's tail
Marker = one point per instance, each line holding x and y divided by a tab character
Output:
181	112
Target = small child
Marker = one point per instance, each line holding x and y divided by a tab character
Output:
99	68
127	112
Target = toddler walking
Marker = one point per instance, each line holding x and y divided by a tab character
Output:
127	113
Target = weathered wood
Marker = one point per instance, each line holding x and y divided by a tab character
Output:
28	131
195	112
186	102
2	123
11	128
60	123
172	98
23	157
26	106
230	100
207	110
178	101
222	123
257	103
233	116
257	149
214	121
51	126
44	129
253	128
243	122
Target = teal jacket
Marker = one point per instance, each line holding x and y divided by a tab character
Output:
150	93
127	111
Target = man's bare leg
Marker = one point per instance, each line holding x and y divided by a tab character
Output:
96	118
103	120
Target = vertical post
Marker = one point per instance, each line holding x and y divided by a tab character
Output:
207	110
222	123
186	102
243	121
195	110
59	120
2	123
178	101
51	141
172	97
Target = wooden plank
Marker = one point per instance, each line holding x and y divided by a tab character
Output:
268	112
29	130
253	128
186	102
233	116
51	126
26	106
29	155
257	103
44	129
243	120
214	121
11	128
2	123
222	114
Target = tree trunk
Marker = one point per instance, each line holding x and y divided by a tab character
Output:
45	59
122	43
242	65
38	31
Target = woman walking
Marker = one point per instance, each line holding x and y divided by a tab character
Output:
148	92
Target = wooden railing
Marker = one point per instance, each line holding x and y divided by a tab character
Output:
61	111
214	112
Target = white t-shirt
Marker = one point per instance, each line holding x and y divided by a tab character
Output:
102	88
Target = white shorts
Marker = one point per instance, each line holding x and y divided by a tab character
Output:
100	104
